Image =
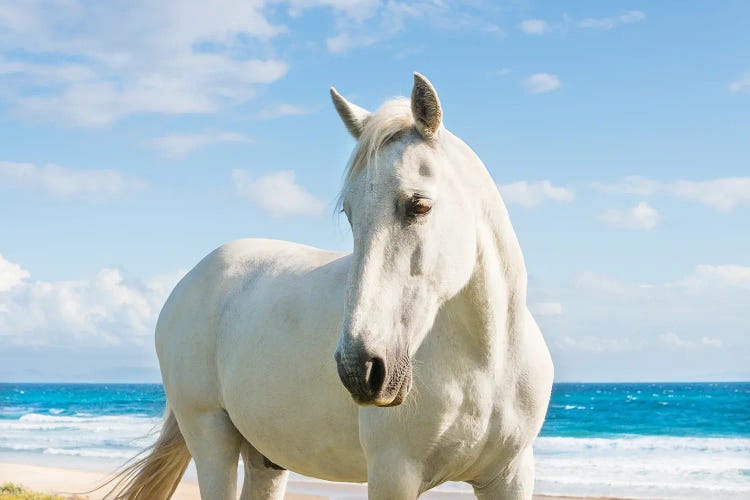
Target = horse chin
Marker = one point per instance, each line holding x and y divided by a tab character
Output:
399	397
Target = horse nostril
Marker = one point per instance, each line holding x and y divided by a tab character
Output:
375	375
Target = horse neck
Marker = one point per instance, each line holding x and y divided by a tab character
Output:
492	306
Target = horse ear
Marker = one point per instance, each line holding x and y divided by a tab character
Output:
425	106
352	115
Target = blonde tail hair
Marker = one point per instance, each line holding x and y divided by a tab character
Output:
156	475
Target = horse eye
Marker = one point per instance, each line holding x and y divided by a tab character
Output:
418	206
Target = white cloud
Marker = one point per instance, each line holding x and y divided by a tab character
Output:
607	23
705	276
722	194
92	63
282	110
547	308
40	74
11	275
63	182
344	42
181	145
359	10
635	185
711	342
540	83
106	309
600	283
531	194
711	298
673	340
742	84
641	217
277	193
365	23
596	344
166	57
698	315
534	26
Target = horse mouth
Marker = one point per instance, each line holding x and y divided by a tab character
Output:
394	393
403	391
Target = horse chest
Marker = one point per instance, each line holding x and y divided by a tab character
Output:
475	427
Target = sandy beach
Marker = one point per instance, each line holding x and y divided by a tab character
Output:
68	481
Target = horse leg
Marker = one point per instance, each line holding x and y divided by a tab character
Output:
214	444
517	485
262	481
392	478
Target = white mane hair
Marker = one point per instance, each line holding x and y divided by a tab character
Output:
392	120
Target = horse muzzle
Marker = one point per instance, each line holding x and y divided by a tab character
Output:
375	381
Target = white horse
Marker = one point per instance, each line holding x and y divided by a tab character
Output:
446	376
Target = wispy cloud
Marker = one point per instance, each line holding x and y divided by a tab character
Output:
541	83
277	193
635	185
534	26
181	145
706	276
741	84
94	63
597	344
722	194
705	309
357	10
563	25
600	283
63	182
640	217
547	308
365	23
532	194
282	110
133	60
674	341
505	71
607	23
702	278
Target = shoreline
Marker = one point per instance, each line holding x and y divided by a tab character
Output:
70	480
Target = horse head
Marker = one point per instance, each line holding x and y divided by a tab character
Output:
408	198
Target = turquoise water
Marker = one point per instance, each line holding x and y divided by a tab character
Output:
653	409
656	440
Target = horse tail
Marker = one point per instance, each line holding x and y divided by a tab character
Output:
155	473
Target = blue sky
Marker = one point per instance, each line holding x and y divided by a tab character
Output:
137	137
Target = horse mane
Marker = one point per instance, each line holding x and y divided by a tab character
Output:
391	121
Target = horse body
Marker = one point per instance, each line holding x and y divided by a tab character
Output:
257	318
447	373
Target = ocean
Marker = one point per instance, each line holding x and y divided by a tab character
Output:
646	440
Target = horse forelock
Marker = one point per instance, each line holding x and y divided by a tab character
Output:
391	121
